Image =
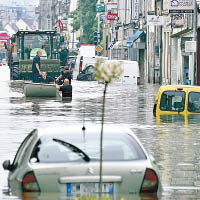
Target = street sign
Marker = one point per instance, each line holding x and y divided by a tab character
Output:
112	16
99	48
111	6
181	6
100	7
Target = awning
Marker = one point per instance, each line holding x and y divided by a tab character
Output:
180	33
133	38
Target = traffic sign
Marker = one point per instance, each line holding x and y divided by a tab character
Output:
111	6
111	45
99	48
100	7
112	16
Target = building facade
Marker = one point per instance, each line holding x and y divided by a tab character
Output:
44	11
124	34
161	39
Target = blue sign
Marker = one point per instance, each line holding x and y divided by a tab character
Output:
135	12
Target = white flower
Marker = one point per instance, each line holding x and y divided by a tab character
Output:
108	71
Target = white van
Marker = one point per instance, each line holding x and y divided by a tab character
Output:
131	73
83	61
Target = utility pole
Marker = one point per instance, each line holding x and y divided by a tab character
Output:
81	21
98	30
193	69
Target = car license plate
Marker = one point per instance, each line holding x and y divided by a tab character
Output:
75	188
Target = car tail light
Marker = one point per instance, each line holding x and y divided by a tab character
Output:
150	182
80	67
138	80
29	183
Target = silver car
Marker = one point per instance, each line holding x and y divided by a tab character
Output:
66	160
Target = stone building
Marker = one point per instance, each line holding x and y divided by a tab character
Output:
44	11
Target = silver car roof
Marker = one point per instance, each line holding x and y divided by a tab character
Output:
77	128
90	128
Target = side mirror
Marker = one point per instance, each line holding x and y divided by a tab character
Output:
7	165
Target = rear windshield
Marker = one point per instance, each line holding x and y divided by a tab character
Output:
172	101
115	148
194	102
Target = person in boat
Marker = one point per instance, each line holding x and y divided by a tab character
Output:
36	73
65	74
45	79
66	88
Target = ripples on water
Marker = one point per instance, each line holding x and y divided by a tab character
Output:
173	141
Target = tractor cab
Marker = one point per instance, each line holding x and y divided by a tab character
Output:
25	44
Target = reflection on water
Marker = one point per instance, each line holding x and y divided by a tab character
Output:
94	196
174	141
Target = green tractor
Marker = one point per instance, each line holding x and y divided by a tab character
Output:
25	45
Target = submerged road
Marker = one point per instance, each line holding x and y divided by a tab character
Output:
173	141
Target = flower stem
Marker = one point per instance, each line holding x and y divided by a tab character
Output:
101	141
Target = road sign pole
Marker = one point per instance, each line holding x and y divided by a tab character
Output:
111	35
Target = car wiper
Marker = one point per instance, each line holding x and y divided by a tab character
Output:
74	149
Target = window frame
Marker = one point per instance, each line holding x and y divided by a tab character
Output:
23	146
134	145
182	91
189	102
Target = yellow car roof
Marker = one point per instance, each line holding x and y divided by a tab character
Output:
176	87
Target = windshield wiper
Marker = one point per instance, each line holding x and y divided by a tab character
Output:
74	149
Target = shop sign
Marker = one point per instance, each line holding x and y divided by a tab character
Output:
190	46
178	21
153	20
181	6
135	9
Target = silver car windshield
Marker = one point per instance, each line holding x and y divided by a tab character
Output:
120	147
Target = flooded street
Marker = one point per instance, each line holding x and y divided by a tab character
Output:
173	141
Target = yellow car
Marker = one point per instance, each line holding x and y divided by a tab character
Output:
177	99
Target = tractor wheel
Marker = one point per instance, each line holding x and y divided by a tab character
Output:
14	73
